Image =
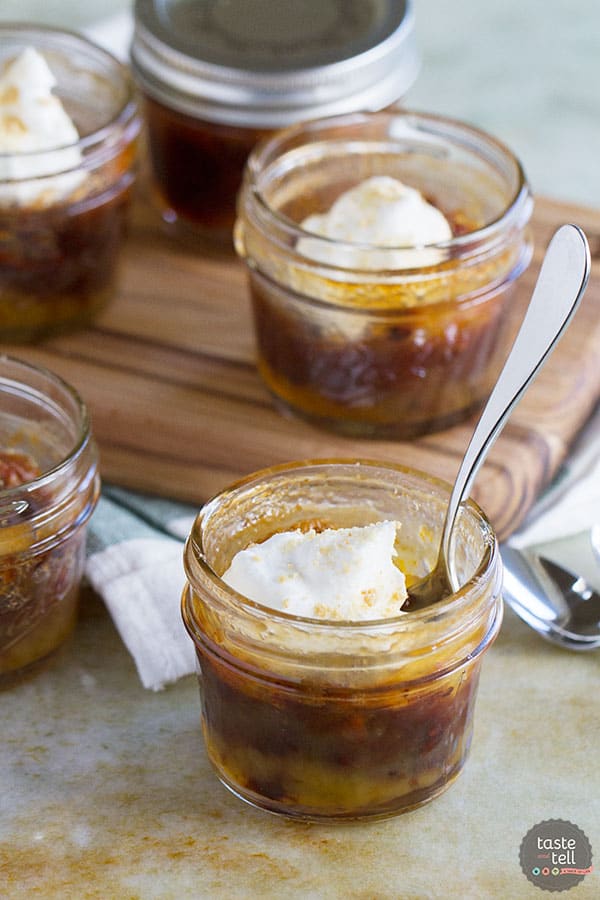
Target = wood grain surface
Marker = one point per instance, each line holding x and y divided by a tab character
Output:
178	410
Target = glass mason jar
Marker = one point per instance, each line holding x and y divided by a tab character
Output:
63	210
49	487
409	340
335	719
217	77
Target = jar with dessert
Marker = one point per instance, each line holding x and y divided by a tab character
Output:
217	77
49	487
69	123
382	252
321	698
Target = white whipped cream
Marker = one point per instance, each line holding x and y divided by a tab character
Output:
382	212
32	120
338	573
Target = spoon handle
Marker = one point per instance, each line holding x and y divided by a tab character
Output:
559	288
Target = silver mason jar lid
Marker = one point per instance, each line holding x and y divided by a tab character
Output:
269	63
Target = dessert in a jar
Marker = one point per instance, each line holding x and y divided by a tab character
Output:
320	697
69	124
217	77
382	252
49	487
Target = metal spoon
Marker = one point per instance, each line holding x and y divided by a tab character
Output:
557	293
558	604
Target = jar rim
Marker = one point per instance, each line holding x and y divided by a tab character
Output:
125	118
200	564
517	209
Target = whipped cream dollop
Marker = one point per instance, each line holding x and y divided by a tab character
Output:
336	574
33	120
382	212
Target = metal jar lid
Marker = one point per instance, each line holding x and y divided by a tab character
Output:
269	63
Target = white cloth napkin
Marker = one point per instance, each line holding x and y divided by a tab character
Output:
135	563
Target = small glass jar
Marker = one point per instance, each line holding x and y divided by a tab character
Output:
63	210
49	487
217	77
412	343
339	720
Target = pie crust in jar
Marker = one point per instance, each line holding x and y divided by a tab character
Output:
49	487
323	719
63	210
413	342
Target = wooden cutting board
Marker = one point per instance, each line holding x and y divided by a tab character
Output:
178	409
